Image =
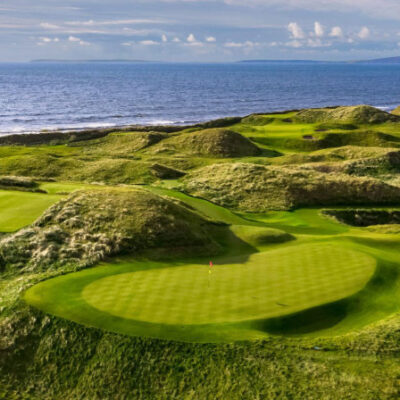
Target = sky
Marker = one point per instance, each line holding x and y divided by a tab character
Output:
199	30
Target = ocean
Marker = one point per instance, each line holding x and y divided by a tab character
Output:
71	96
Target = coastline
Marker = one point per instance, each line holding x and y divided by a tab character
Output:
92	132
60	136
105	129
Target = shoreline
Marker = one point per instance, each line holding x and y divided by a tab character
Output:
87	133
67	136
167	127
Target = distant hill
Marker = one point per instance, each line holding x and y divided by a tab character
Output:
283	61
44	60
388	60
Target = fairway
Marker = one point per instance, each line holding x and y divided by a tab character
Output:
18	209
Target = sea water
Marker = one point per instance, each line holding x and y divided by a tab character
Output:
47	96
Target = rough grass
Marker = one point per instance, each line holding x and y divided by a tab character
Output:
49	358
17	182
88	226
396	111
352	115
120	144
353	160
338	154
390	229
258	188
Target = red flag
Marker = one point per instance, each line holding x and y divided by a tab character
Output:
211	264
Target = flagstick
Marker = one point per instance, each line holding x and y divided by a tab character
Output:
209	273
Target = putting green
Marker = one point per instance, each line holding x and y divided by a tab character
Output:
269	284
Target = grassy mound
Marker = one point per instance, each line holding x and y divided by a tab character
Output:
219	123
257	120
388	163
88	226
336	154
396	111
358	138
121	143
108	170
211	143
362	114
258	188
352	160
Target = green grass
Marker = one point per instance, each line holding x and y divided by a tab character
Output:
66	187
18	209
298	306
273	285
197	304
204	207
300	137
323	283
299	277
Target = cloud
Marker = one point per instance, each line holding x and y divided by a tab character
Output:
191	38
318	29
294	43
247	43
317	43
47	25
364	33
149	42
192	41
295	31
211	39
75	39
91	22
44	40
336	31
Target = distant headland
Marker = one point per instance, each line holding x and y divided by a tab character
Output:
50	60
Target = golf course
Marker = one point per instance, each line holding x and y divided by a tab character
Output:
270	241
